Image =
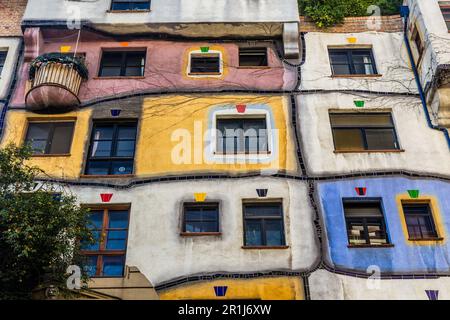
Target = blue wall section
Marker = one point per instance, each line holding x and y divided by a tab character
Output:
403	257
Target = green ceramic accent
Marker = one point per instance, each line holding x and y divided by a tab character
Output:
204	49
413	193
359	103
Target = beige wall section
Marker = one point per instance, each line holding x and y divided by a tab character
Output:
279	288
161	117
68	166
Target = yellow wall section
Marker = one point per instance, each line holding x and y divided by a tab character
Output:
161	117
280	288
69	166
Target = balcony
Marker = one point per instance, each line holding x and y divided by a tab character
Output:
54	82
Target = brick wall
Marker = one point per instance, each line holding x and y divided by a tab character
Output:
355	24
11	12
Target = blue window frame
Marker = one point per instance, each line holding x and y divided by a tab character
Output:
133	5
106	256
201	218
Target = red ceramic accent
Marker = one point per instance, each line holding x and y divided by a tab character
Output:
241	108
106	197
363	193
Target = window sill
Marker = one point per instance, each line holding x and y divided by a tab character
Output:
356	76
204	74
118	78
370	151
129	11
199	234
50	155
242	153
107	176
427	239
264	247
356	246
253	67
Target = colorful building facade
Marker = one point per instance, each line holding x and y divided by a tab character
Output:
238	153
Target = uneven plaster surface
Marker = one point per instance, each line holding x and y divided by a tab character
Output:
11	45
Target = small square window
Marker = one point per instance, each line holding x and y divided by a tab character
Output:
253	57
132	5
50	137
201	218
208	63
419	221
365	222
352	62
122	64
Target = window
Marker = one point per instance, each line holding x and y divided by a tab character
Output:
263	224
112	149
135	5
3	55
419	221
106	257
445	8
253	57
122	64
363	131
205	63
352	61
242	135
50	137
365	222
201	218
418	43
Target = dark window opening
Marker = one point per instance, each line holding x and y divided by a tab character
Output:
263	224
417	39
352	61
3	55
135	5
106	256
201	217
205	63
50	137
122	64
365	222
112	149
253	57
419	221
242	135
363	131
445	9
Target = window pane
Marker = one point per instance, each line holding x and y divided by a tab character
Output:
377	234
125	148
62	138
113	265
364	69
351	119
112	59
38	131
91	265
118	219
341	69
92	246
196	226
274	232
253	235
205	64
348	139
38	146
122	167
362	209
253	56
355	231
380	139
134	71
101	149
96	219
116	240
339	57
262	210
98	167
103	133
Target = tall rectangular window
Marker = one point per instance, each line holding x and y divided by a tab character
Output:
418	42
419	221
134	5
365	222
122	64
363	131
242	135
263	224
253	57
3	55
50	137
205	63
112	148
352	62
201	218
445	9
106	256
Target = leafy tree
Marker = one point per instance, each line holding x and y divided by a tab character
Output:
39	230
326	13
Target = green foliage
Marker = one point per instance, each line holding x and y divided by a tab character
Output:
38	231
326	13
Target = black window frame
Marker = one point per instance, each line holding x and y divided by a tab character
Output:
262	50
363	129
3	56
263	223
201	206
246	144
445	10
199	56
366	221
51	135
123	63
429	214
350	61
130	3
114	141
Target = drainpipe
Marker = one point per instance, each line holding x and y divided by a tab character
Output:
404	13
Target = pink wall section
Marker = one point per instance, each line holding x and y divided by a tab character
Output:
166	70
